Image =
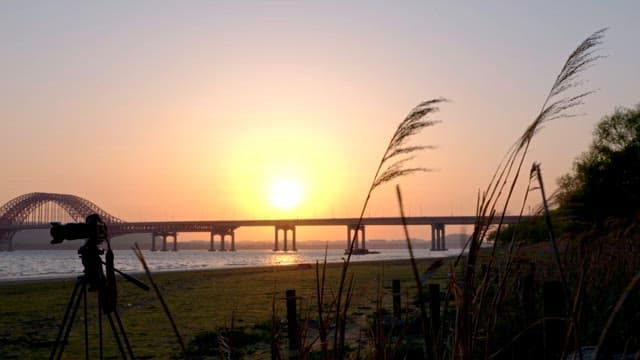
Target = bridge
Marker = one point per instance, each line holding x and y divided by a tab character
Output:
37	210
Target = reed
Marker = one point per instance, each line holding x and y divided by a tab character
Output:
391	166
557	104
476	299
476	302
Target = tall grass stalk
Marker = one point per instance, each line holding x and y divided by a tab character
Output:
633	284
503	278
503	182
552	235
391	166
165	307
556	254
275	331
426	333
323	320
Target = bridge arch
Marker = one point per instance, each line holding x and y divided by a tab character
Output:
24	210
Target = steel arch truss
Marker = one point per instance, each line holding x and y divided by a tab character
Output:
17	211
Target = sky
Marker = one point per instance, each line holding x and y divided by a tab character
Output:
158	110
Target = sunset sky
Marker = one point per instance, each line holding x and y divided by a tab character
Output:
158	110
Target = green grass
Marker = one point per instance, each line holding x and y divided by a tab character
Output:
31	312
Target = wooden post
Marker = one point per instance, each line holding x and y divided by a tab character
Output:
396	298
528	294
531	342
292	324
434	307
554	330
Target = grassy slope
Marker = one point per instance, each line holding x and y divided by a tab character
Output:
30	313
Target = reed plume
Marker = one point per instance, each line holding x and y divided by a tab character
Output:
556	105
391	166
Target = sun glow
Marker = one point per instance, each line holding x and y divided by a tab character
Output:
285	193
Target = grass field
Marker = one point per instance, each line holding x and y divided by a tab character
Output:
31	312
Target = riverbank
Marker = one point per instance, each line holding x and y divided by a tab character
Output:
200	300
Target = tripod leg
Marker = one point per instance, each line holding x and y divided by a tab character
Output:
83	293
100	331
116	336
65	319
86	325
124	334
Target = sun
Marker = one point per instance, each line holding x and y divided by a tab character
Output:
285	193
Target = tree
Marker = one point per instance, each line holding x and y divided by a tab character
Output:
606	180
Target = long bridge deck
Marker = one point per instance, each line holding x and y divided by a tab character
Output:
226	228
36	210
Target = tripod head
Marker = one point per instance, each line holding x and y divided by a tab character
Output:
94	230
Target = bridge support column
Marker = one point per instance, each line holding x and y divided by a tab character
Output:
153	242
438	237
211	246
223	232
285	240
6	240
164	242
355	233
175	241
222	236
293	234
285	230
433	237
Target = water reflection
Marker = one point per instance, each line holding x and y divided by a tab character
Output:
285	258
24	264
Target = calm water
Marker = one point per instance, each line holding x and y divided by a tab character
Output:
45	264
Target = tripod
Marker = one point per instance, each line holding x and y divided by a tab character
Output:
94	280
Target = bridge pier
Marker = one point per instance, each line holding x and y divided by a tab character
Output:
233	241
164	236
438	237
153	242
285	229
222	248
223	233
6	240
175	241
232	235
353	234
211	241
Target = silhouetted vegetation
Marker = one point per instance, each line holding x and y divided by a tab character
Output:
595	217
606	182
604	188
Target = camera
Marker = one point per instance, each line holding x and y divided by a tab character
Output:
93	229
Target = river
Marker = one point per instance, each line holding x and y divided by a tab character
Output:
50	264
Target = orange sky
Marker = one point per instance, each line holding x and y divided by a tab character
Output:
165	112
